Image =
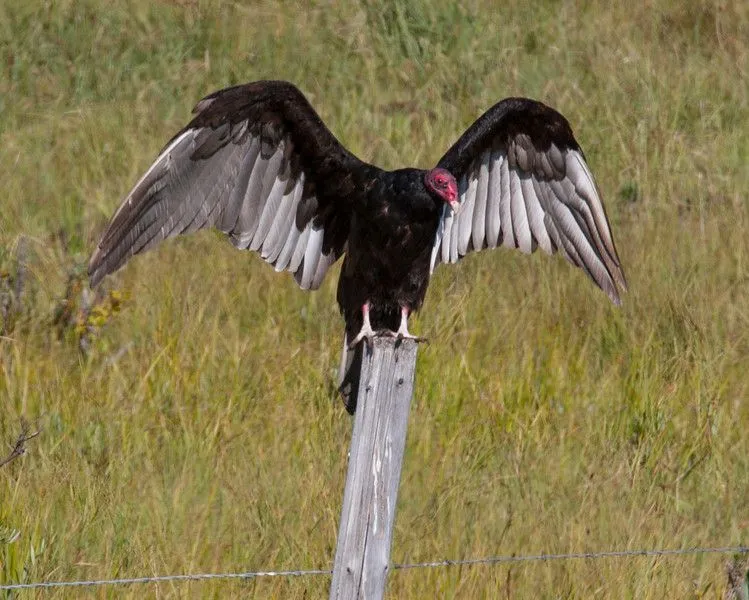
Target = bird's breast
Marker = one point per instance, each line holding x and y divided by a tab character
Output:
391	241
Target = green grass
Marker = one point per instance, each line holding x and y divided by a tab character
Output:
200	431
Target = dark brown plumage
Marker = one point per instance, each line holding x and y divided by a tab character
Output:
258	163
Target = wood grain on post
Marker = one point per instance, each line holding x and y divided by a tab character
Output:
366	529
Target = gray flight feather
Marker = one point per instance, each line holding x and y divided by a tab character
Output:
518	195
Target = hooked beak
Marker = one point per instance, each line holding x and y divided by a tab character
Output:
455	205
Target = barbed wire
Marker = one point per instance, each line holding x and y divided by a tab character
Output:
489	560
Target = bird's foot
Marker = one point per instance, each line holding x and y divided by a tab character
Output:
402	335
366	333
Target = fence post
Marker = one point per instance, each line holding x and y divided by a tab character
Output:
375	459
737	571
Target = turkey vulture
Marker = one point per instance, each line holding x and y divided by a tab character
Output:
258	163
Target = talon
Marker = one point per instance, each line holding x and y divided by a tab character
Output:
400	335
366	335
416	338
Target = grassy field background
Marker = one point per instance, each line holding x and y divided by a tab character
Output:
188	417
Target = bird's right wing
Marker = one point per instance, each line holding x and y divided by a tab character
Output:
257	163
524	183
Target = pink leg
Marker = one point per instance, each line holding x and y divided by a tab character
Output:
366	332
403	333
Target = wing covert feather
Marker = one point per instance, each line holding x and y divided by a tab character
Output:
257	163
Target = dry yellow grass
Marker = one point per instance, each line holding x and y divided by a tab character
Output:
200	431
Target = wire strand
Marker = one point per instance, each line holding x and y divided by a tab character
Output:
492	560
489	560
164	578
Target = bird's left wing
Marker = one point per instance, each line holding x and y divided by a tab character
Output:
524	183
257	163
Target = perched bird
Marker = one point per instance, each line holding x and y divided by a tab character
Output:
258	163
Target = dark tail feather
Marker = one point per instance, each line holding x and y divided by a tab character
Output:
348	374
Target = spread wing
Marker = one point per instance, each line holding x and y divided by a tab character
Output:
257	163
524	183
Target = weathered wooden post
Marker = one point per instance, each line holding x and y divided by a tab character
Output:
365	532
